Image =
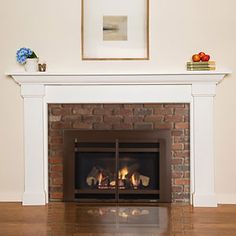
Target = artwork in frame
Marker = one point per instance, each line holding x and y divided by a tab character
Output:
115	29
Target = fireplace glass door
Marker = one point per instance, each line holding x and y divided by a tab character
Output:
95	168
115	167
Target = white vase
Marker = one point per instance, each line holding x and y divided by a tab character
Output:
31	64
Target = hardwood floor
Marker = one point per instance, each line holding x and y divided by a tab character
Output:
82	220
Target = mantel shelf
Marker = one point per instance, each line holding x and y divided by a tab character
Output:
56	78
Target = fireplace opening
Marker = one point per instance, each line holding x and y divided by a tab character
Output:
117	166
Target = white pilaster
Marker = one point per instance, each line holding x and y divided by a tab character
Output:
203	148
34	193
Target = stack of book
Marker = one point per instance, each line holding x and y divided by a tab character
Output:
202	65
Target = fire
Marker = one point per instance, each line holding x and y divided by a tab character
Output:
123	172
100	178
134	180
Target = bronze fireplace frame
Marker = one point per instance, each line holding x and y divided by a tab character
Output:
163	137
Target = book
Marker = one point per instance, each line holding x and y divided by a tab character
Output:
201	63
200	68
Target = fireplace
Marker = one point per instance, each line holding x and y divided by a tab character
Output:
196	88
117	166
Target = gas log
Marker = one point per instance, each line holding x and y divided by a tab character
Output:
144	180
99	176
93	176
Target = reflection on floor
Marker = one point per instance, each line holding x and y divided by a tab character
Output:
138	220
71	219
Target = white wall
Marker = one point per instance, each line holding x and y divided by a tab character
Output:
178	29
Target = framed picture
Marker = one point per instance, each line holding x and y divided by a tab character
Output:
115	29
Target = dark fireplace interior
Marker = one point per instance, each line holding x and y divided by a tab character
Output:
117	166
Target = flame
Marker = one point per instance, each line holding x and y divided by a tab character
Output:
134	180
100	179
123	172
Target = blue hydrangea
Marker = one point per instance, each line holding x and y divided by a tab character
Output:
22	54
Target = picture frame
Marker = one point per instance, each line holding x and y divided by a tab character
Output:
115	30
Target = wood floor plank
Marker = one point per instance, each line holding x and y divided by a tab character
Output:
71	219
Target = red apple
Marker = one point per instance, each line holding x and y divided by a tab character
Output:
201	54
196	58
205	58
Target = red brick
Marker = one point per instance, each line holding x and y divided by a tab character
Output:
71	106
182	181
82	125
183	153
174	105
187	174
154	118
56	195
174	118
143	126
186	119
55	174
177	174
61	125
175	161
182	111
187	161
102	111
154	106
61	111
71	118
186	146
82	111
57	180
56	152
56	167
55	133
55	160
164	111
179	139
143	111
56	189
51	106
182	125
123	126
102	126
91	118
164	125
176	132
177	146
123	111
177	188
112	106
55	145
56	140
133	106
186	189
112	119
133	119
54	118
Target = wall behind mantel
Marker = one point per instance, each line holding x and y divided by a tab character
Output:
177	30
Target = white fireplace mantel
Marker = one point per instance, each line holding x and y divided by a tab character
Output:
197	88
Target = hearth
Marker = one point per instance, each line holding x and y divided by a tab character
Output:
117	166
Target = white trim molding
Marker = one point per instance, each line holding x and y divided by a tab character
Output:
196	88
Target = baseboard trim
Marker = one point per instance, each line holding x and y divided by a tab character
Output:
34	198
204	200
11	197
226	198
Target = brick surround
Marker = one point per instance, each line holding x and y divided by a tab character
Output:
121	117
